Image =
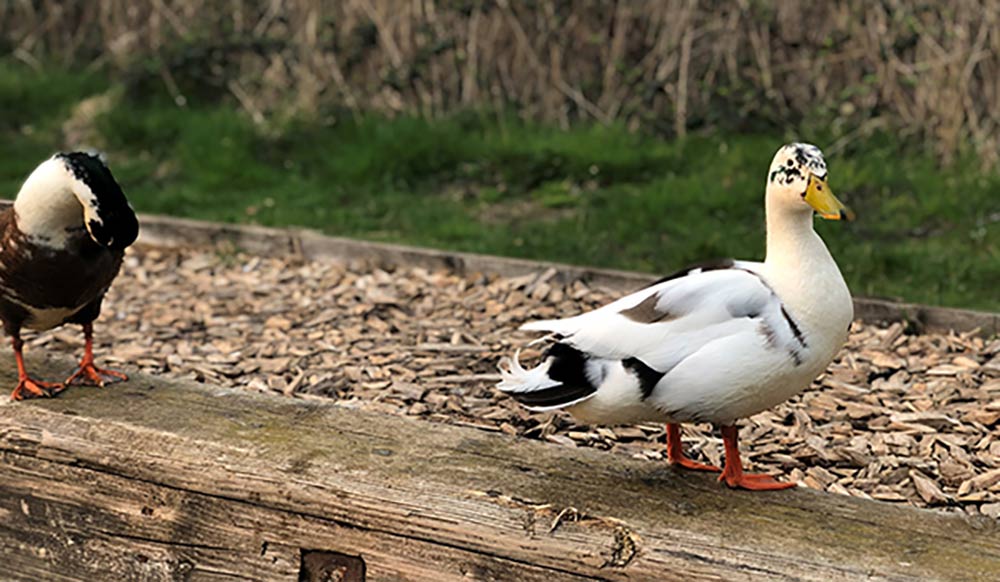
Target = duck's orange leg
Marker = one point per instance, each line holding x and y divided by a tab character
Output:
675	451
26	387
88	372
733	474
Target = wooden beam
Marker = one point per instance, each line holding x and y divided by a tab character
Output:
167	231
165	480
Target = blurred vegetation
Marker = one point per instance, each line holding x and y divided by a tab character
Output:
852	68
478	180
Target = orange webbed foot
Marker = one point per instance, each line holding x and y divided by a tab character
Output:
90	374
27	388
733	474
675	452
694	465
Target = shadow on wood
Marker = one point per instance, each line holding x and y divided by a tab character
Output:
320	566
164	480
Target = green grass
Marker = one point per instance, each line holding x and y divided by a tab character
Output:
481	182
32	108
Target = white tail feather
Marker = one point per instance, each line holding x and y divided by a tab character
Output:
551	325
544	339
516	378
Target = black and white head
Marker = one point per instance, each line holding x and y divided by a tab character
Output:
70	191
797	179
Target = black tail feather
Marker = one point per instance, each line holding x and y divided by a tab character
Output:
556	396
568	367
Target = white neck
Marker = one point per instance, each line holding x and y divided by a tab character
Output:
791	241
800	268
46	206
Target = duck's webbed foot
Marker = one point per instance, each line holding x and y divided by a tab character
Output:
88	372
28	388
92	375
733	474
675	451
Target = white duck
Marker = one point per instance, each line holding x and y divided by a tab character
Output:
712	343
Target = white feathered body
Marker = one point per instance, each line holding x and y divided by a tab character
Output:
710	344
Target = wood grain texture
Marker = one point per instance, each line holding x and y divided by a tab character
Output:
157	480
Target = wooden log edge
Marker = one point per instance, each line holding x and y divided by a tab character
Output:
165	231
170	480
174	232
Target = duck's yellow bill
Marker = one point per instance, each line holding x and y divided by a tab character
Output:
821	198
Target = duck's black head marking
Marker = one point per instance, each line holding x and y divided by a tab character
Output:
811	159
110	219
795	162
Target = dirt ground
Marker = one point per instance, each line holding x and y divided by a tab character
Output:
897	417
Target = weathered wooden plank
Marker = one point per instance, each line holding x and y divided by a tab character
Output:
114	528
160	480
166	231
926	317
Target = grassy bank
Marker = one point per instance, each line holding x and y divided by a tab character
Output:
481	182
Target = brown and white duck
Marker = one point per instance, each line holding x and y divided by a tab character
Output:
61	246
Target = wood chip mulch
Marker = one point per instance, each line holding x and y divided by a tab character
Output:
897	417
